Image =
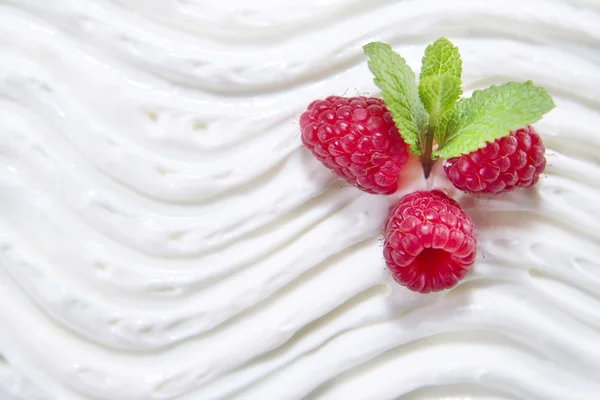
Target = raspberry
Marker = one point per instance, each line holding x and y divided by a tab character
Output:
429	242
357	139
516	160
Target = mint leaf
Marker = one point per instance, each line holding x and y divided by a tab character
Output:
441	58
490	114
439	93
439	85
399	89
447	123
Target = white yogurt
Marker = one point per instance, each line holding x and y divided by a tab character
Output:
164	235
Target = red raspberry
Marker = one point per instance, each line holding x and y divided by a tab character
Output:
516	160
357	139
429	242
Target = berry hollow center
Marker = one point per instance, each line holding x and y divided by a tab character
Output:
430	260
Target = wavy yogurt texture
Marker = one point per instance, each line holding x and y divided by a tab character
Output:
164	235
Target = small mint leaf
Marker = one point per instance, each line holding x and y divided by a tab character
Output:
490	114
446	123
439	93
399	89
441	58
439	85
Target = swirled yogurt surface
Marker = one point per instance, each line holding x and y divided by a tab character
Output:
164	235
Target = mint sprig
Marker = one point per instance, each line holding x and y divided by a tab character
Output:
399	89
433	109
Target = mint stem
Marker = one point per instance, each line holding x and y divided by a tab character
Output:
426	158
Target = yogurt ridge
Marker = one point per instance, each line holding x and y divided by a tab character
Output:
164	235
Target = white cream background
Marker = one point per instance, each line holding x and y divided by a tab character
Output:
163	234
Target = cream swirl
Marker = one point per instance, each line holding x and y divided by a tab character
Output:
164	234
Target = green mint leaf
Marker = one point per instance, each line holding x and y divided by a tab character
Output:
399	89
439	85
439	93
490	114
446	123
441	58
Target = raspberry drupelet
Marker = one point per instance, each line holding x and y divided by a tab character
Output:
357	139
430	242
516	160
